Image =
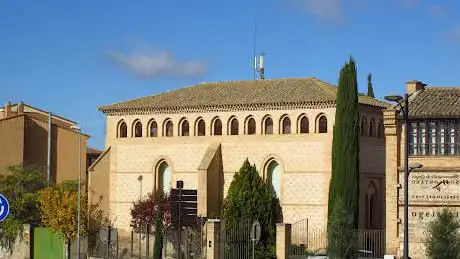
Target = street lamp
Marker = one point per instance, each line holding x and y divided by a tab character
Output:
77	129
407	167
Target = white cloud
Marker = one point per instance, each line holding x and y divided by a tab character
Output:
327	10
157	63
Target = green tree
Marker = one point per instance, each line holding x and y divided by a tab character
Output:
59	211
249	198
370	88
341	235
344	182
443	236
20	186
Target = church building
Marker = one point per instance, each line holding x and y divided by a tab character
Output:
202	135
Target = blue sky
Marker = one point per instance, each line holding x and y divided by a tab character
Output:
70	57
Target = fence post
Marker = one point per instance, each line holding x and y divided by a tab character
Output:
148	241
213	229
283	240
132	241
109	240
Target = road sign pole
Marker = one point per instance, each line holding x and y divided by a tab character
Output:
180	185
108	241
253	249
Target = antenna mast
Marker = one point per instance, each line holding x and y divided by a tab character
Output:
254	51
259	66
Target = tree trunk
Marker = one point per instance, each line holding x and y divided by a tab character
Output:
68	249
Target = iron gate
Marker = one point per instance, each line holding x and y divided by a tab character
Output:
236	241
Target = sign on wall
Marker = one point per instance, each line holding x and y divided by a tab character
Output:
433	187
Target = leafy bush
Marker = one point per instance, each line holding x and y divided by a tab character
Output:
443	236
20	186
341	237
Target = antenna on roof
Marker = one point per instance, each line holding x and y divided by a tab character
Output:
254	51
258	59
260	65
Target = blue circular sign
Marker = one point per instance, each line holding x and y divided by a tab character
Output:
4	208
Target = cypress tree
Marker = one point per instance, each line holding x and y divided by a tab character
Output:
250	198
344	185
370	88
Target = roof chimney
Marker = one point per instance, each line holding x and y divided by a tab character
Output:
7	110
21	108
414	86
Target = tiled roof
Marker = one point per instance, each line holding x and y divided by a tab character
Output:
435	102
90	150
242	94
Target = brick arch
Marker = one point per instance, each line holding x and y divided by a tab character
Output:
119	124
263	124
230	125
197	125
213	126
156	166
152	127
318	120
137	124
246	125
299	124
165	127
285	119
265	166
181	130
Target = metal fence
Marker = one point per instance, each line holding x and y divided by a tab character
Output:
306	241
236	242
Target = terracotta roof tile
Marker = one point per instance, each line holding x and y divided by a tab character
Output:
242	93
435	102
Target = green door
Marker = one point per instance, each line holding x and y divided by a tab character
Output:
48	245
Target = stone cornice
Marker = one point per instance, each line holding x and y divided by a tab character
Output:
218	108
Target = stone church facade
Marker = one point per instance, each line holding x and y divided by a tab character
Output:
203	134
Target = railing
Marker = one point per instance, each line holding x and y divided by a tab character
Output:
307	241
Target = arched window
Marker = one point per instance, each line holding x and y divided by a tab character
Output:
371	206
164	178
137	129
184	128
168	128
217	127
153	128
251	126
274	177
286	125
234	126
200	128
322	124
268	126
381	129
372	128
364	129
304	125
122	130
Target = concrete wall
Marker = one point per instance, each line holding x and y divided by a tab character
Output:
11	142
100	181
64	150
